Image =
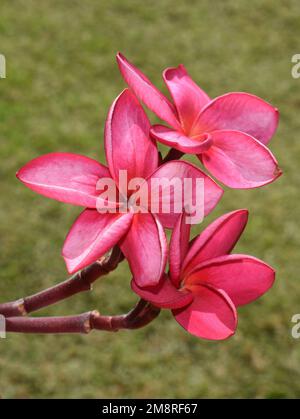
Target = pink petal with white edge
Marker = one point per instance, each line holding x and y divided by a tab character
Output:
128	145
91	236
188	97
181	142
240	112
218	239
164	294
145	248
179	246
66	177
244	278
240	161
211	315
169	205
147	92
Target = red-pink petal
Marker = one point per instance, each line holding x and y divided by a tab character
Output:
128	144
179	245
211	315
239	112
66	177
176	172
240	161
147	92
164	294
178	140
189	99
218	239
91	236
145	247
244	278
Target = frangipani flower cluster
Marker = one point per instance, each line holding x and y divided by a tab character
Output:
228	134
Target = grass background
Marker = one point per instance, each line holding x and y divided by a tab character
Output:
61	79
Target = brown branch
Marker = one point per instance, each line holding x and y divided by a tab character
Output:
81	281
139	317
66	324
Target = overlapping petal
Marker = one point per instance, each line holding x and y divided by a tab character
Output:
147	92
66	177
218	239
211	315
164	294
128	145
168	196
180	141
240	112
145	248
244	278
239	160
189	99
92	235
179	246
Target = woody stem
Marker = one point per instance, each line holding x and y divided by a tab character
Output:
140	316
81	281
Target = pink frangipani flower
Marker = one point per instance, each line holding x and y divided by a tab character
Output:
73	179
229	134
205	283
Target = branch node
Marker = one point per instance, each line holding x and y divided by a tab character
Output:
21	306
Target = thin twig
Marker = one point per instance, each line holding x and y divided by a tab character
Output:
79	282
139	317
66	324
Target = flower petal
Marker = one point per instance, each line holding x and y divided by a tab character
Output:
145	247
147	92
180	141
128	144
91	236
240	161
188	97
244	278
240	112
218	239
169	196
211	315
164	294
66	177
179	245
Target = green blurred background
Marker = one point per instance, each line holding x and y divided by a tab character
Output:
61	80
